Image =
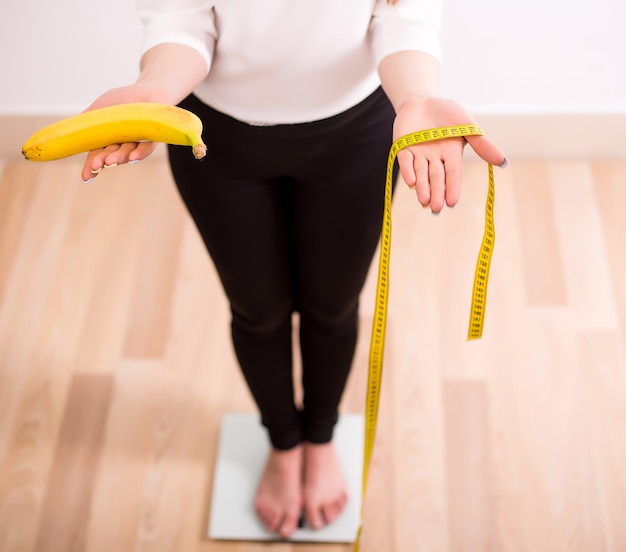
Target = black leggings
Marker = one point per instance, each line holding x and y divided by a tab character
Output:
291	216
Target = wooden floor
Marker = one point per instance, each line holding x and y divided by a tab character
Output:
116	366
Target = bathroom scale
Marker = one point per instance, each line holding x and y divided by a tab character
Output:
242	451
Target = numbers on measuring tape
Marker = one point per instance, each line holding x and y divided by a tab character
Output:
481	277
479	289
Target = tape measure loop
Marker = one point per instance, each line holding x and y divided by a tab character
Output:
479	290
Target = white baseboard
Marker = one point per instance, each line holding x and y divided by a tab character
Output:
598	135
533	135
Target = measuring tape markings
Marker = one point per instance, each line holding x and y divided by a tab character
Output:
481	276
479	290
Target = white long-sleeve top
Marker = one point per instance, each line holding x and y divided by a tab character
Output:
291	61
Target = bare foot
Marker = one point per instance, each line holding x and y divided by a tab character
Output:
325	490
279	496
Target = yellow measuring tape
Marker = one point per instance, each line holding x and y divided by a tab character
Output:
479	294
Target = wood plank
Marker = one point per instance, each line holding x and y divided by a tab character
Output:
125	457
583	248
17	187
544	469
609	177
603	375
31	301
67	504
417	448
469	453
106	224
37	417
151	297
543	263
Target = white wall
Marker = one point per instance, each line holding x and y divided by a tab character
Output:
501	57
558	56
57	56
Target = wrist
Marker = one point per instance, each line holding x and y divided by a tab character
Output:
416	101
149	87
409	76
174	70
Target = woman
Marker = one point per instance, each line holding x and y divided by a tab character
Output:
300	103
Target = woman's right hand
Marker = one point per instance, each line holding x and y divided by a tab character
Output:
117	154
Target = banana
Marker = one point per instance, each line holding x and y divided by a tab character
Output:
117	124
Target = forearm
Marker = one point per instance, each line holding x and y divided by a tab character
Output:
409	75
173	69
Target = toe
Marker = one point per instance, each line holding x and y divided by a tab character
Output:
314	518
332	511
276	523
268	517
263	515
289	525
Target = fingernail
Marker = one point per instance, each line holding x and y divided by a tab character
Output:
134	161
96	171
435	214
110	166
506	163
89	180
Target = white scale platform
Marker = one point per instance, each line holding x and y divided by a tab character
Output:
242	452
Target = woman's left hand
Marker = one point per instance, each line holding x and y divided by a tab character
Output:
434	168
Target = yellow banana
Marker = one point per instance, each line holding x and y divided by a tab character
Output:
117	124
